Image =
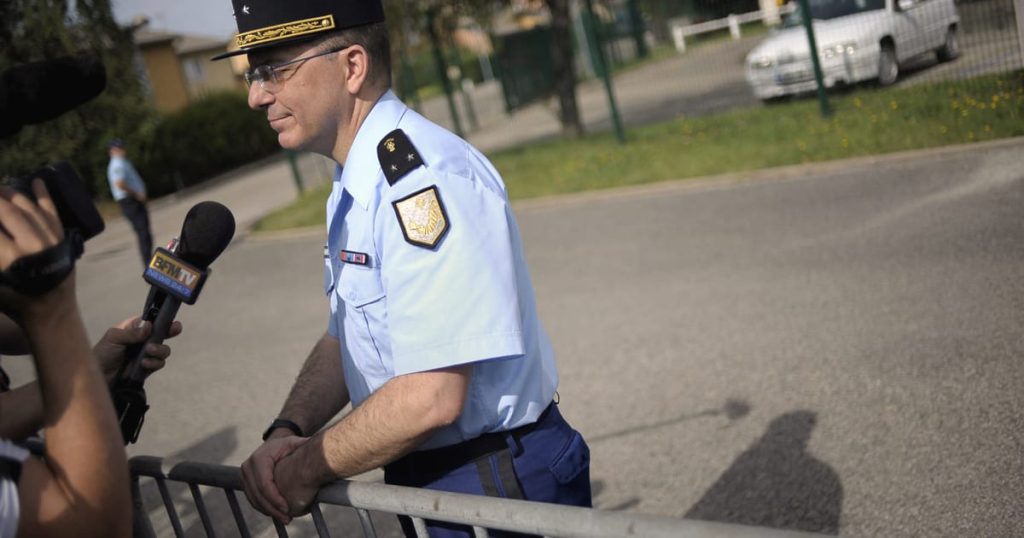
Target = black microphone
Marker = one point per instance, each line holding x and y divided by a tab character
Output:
177	277
39	91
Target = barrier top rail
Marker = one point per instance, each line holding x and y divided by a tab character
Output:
480	512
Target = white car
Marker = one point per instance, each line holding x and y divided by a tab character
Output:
857	40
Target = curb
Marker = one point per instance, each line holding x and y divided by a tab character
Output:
780	173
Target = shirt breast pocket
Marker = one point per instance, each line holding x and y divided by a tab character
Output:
359	287
366	339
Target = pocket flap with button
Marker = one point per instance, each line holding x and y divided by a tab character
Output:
359	286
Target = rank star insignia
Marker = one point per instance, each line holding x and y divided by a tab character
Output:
397	156
245	9
422	217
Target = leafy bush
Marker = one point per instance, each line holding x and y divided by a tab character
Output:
206	138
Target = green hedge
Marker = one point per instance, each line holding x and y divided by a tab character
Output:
209	137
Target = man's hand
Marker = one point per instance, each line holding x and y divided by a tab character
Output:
110	349
294	487
258	477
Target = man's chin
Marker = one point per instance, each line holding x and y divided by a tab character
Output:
290	142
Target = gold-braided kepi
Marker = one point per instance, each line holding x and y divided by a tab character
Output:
269	23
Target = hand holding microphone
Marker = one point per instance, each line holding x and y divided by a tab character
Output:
177	277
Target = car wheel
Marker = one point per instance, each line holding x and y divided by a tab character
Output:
950	48
888	67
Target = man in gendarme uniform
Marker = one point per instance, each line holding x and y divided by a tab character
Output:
433	333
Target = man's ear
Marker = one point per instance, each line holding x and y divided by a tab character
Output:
357	68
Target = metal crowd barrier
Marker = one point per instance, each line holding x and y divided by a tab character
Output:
481	513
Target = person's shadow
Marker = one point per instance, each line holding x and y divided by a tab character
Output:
777	483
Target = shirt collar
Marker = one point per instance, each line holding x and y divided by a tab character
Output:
361	172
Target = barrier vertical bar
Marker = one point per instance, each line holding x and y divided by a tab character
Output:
236	510
172	513
318	521
204	515
367	523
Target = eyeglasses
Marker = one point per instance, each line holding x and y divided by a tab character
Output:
271	76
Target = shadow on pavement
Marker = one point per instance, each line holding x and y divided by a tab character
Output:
777	483
733	409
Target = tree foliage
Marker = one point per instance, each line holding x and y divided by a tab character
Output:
408	17
32	30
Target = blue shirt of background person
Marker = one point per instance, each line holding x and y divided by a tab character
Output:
121	172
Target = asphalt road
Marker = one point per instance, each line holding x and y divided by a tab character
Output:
829	347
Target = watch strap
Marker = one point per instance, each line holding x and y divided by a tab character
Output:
283	423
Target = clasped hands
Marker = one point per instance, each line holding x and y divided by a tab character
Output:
274	481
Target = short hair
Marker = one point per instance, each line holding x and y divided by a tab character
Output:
374	38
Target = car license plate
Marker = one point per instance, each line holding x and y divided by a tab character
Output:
793	77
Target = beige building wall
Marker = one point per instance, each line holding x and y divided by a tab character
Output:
204	77
165	77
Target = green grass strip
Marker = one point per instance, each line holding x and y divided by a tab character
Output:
865	122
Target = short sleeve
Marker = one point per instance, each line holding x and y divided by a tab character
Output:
457	302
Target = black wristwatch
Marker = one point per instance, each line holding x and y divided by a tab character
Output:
282	423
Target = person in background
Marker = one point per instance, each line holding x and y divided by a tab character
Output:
129	192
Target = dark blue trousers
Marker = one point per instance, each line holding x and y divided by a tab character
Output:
135	212
547	461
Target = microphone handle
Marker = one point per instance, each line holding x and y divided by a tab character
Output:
161	328
127	392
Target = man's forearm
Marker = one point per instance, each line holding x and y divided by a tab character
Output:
319	391
395	420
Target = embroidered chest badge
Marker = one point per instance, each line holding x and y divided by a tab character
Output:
422	217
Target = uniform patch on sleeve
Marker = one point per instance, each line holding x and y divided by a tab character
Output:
422	217
397	156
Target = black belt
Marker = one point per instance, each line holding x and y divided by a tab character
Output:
439	461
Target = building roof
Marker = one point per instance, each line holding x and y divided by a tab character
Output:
145	37
188	44
182	43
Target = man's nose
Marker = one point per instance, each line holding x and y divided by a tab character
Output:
258	97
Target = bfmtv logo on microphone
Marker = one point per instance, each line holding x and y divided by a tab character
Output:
175	276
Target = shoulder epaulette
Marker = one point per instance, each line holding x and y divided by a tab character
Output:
397	156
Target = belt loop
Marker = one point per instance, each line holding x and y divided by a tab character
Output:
515	446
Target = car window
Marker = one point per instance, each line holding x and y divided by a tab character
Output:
830	9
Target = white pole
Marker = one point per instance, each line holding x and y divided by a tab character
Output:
770	12
734	26
679	38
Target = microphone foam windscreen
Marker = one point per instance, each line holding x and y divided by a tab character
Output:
206	232
43	90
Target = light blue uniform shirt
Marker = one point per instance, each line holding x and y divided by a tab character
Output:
121	169
413	309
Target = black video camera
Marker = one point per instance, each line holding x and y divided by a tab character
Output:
41	272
